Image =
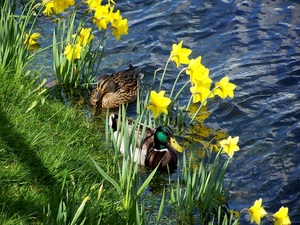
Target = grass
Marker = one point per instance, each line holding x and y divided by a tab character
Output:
44	152
47	175
46	166
45	146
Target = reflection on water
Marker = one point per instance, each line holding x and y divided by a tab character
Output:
206	137
256	44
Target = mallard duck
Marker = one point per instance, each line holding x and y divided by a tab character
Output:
119	88
154	147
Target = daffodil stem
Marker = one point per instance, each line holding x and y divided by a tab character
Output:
181	89
184	69
174	100
164	73
198	110
154	78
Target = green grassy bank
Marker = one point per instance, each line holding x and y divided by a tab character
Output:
45	156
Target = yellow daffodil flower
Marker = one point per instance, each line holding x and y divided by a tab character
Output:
230	146
180	55
114	15
200	94
257	211
281	217
201	91
60	5
197	70
93	4
84	36
224	88
119	27
73	52
158	103
31	41
49	8
102	16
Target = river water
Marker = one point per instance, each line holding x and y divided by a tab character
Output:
256	44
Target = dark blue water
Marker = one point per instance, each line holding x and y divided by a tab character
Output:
256	43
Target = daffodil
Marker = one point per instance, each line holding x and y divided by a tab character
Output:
158	103
224	88
114	16
49	8
229	145
84	36
257	211
119	27
31	41
60	5
93	4
180	55
102	16
201	91
73	51
281	217
197	70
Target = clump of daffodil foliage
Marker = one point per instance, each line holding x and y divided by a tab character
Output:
200	88
76	52
82	54
200	83
195	188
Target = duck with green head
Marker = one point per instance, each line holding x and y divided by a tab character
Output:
153	146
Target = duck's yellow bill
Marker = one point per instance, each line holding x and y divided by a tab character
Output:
174	144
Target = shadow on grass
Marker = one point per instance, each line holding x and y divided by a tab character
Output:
39	177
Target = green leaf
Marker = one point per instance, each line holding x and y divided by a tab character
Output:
146	182
43	101
42	91
107	177
161	207
41	84
32	105
79	211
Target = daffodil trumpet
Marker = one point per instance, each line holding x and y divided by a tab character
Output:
158	103
201	105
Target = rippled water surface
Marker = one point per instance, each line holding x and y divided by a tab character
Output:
256	43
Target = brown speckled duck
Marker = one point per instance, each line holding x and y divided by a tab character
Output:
119	88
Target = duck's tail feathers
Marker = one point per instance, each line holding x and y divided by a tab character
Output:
113	121
136	73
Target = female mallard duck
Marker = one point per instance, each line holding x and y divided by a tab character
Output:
119	88
155	147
